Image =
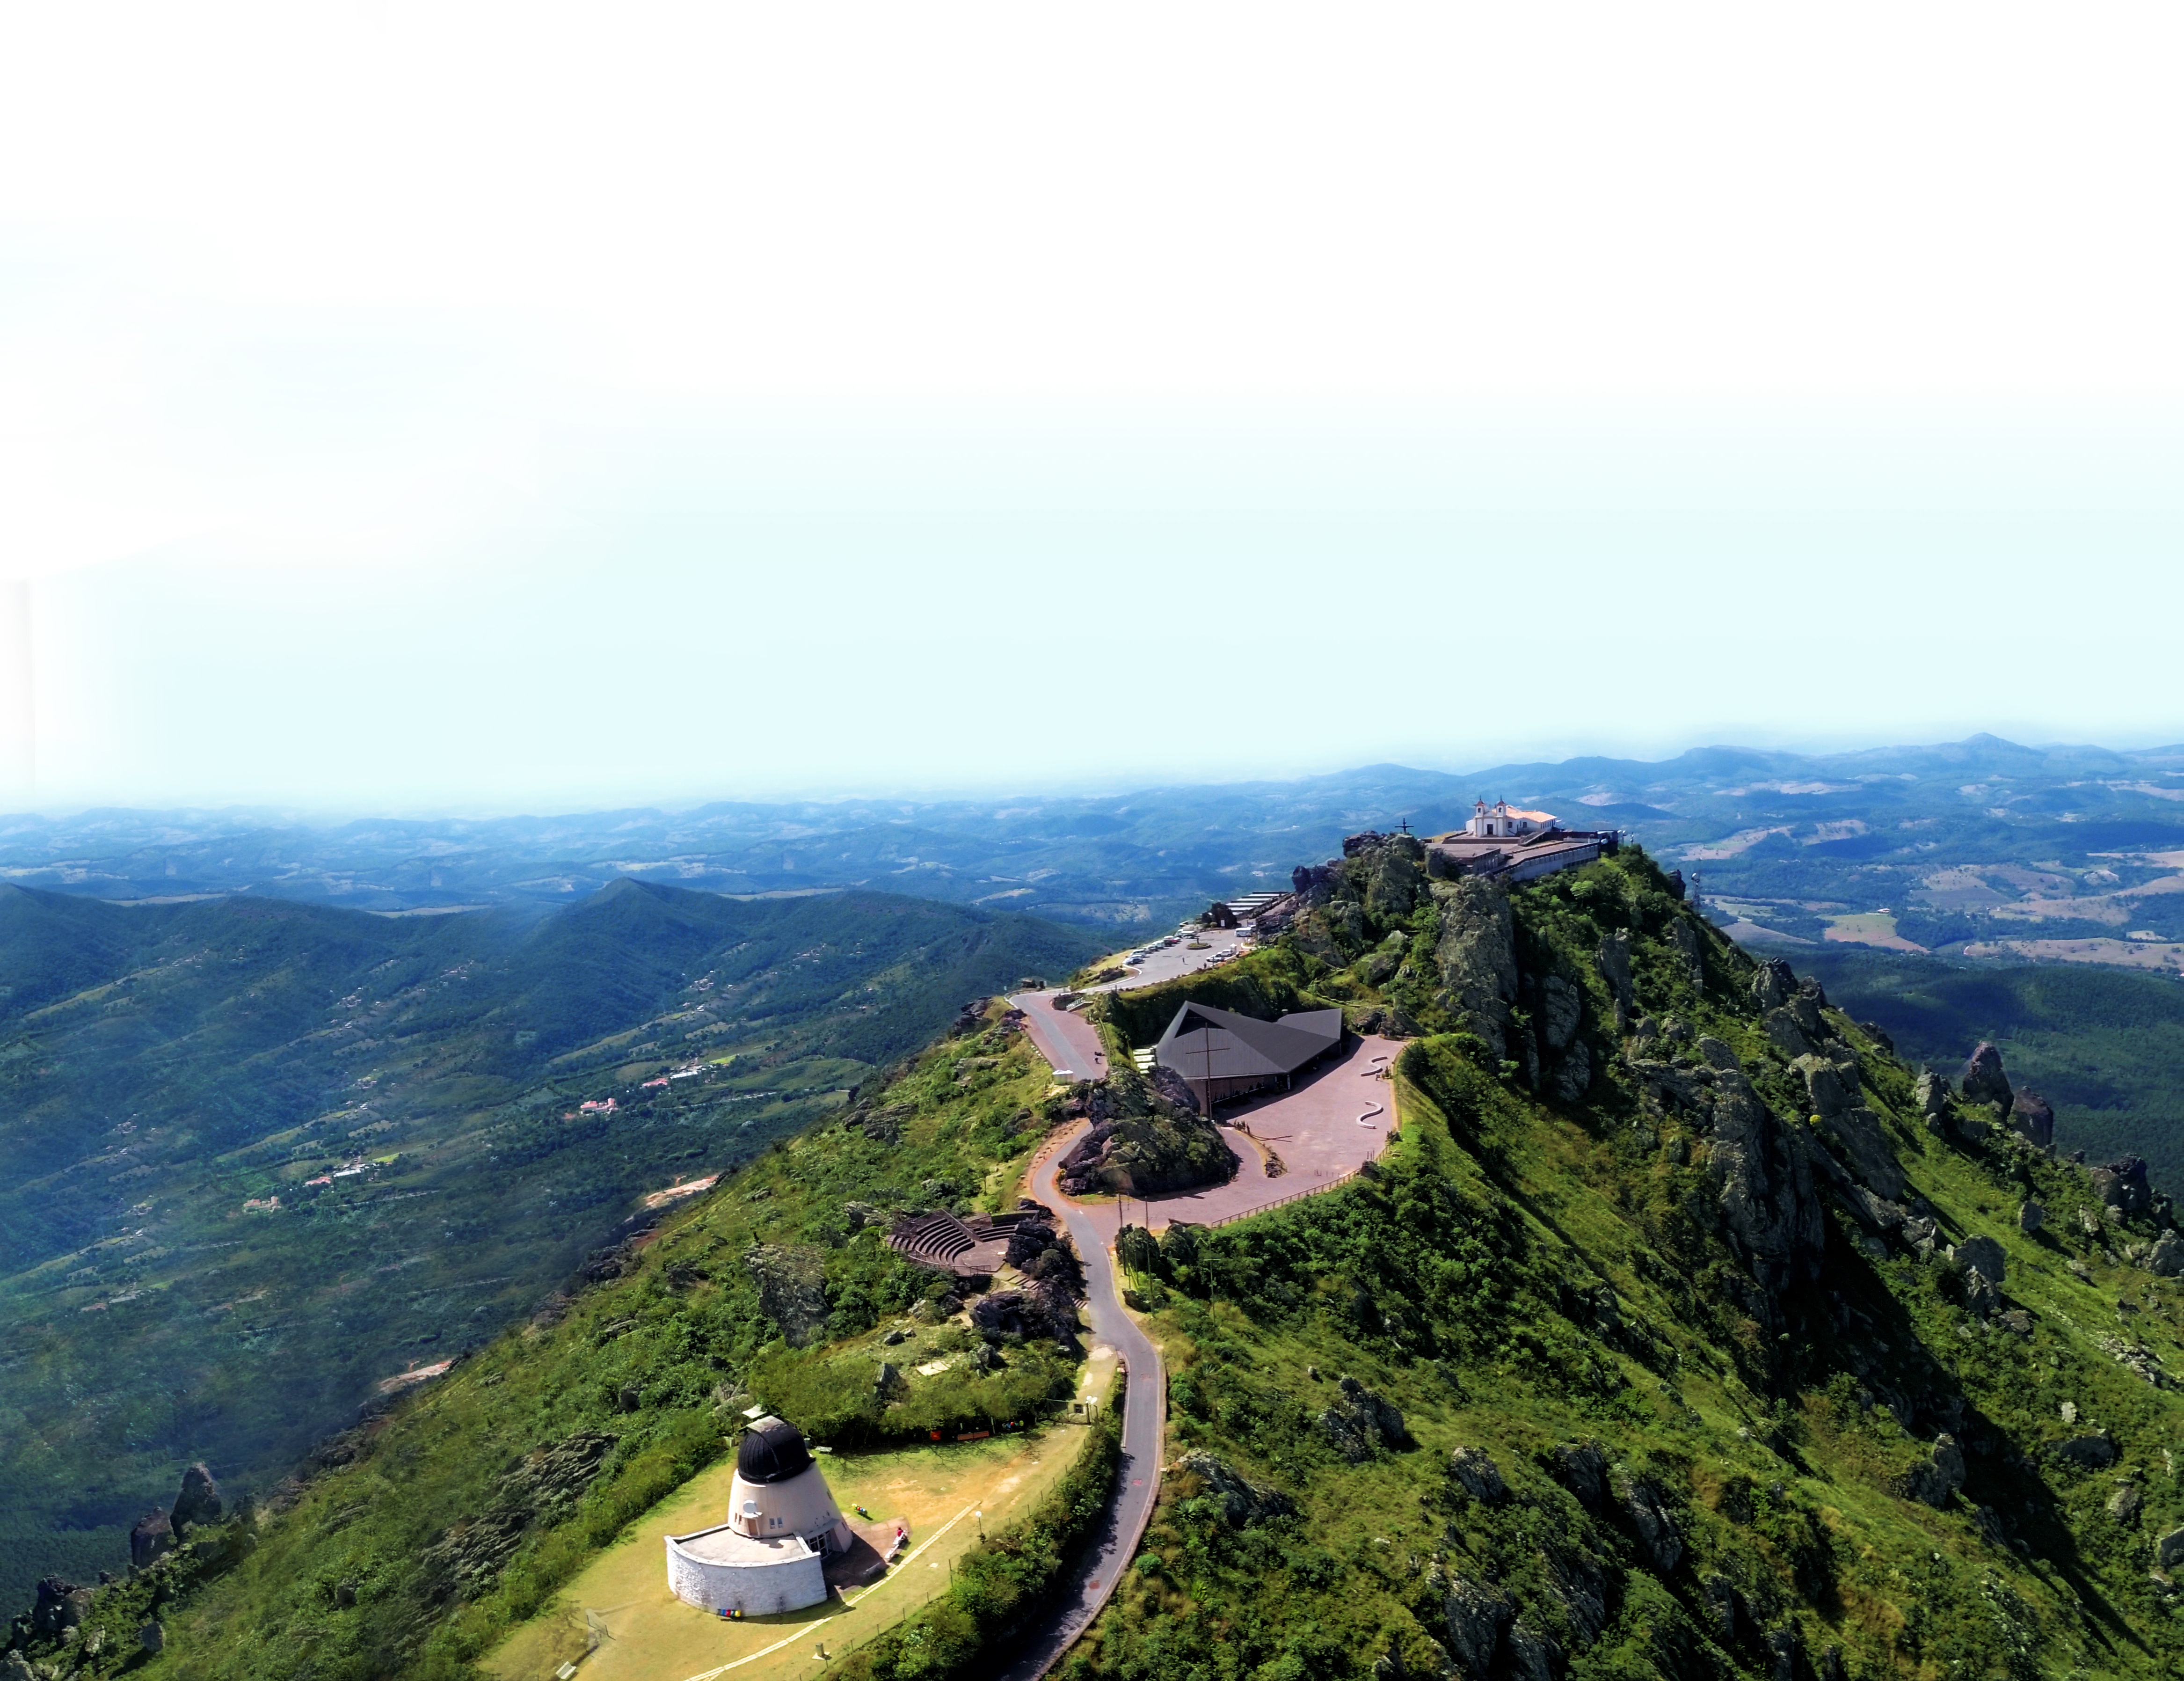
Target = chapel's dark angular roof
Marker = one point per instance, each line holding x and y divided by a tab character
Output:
1205	1043
772	1451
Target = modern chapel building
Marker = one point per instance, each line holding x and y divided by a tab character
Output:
1222	1055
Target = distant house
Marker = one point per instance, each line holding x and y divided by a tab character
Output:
1516	845
597	1106
1222	1055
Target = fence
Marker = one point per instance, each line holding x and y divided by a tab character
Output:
1283	1202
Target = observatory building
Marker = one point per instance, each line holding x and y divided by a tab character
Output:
782	1523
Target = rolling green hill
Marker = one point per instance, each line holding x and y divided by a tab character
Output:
256	1156
1680	1334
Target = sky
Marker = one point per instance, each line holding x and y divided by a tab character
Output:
473	408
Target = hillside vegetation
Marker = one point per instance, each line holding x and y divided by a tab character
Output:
1682	1333
256	1157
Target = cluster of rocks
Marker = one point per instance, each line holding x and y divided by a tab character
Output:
1147	1138
1044	1310
1243	1502
1360	1425
157	1532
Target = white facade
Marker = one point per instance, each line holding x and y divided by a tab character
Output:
801	1506
1502	819
719	1569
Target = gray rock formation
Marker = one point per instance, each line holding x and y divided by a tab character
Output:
792	1288
59	1605
2124	1503
1854	1131
1583	1469
1934	1480
14	1666
153	1636
199	1501
153	1534
1475	1471
1477	954
1532	1656
2169	1551
1581	1585
1650	1523
2166	1257
1763	1178
1243	1503
2033	1119
1475	1613
1361	1423
2031	1216
1685	939
2122	1186
2094	1451
1983	1080
1614	963
1774	985
1932	1096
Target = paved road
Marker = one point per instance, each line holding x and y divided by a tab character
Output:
1145	1408
1064	1037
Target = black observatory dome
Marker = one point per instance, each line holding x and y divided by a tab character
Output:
772	1451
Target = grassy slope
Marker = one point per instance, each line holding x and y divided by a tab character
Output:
661	1358
1465	1285
160	1065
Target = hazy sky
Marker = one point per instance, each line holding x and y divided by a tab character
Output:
438	406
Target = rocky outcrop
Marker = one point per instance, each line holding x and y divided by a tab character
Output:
2123	1186
1582	1468
1243	1503
198	1502
59	1605
2031	1216
2166	1258
1475	1472
1614	962
1763	1180
1773	984
792	1288
1934	1480
1362	1424
1475	1613
2033	1118
1045	1310
1533	1656
2092	1451
1146	1155
1476	956
1854	1131
153	1534
1983	1080
1932	1094
1650	1523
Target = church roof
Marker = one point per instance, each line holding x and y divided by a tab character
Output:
1206	1043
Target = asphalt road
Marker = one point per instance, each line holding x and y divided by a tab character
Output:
1144	1416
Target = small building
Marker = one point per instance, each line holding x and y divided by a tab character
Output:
1503	821
1221	1055
783	1522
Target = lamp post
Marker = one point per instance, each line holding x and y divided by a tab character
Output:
981	1518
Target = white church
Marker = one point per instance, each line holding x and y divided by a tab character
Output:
1502	820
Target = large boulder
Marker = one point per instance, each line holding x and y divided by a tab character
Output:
1475	1613
1243	1503
2034	1118
1360	1424
59	1605
2123	1186
1650	1522
1614	962
1475	1472
153	1534
1932	1094
1582	1468
1934	1480
1983	1080
1762	1179
198	1502
1476	956
2166	1258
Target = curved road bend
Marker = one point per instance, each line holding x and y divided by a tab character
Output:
1144	1406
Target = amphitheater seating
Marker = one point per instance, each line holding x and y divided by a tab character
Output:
970	1248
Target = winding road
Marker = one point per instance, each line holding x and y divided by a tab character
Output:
1145	1408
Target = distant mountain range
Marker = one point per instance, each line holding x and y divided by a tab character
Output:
1980	840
